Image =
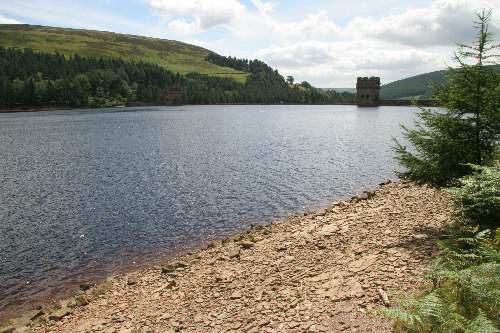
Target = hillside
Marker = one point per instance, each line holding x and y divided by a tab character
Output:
172	55
419	86
33	79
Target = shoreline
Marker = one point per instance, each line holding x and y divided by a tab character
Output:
215	277
44	109
395	103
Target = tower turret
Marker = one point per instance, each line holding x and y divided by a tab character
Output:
368	90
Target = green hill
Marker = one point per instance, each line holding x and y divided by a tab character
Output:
172	55
419	86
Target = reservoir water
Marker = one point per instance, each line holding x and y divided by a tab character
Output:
88	193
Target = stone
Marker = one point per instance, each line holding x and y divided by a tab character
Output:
80	300
87	285
180	264
59	314
214	244
420	236
7	329
321	212
236	325
246	244
383	297
281	247
362	263
132	280
236	295
366	195
328	230
355	290
234	253
36	313
174	266
24	329
320	277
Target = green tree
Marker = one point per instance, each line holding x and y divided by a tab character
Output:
81	89
466	129
29	93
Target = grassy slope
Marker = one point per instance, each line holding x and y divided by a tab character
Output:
173	55
419	86
416	86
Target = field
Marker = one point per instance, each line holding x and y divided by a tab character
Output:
173	55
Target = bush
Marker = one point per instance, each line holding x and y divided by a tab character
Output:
464	294
477	201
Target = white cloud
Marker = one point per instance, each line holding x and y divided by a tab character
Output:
198	15
183	27
415	41
299	54
444	22
6	20
312	27
339	63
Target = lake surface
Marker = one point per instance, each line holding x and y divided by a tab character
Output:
88	193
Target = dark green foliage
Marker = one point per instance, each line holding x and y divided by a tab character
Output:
478	198
432	314
466	130
30	78
231	62
464	284
465	292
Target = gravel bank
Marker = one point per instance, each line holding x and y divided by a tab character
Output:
322	272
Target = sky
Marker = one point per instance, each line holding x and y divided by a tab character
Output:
325	42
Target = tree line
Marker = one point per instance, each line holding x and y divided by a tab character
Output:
29	78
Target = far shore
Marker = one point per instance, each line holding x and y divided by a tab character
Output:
425	103
325	271
66	108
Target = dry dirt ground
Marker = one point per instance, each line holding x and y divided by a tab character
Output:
315	273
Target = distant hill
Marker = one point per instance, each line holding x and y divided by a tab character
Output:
172	55
419	86
413	87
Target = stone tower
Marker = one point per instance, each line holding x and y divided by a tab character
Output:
368	90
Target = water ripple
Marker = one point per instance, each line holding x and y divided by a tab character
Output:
89	193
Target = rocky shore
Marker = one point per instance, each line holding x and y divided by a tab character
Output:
321	272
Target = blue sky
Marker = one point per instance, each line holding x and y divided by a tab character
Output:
326	42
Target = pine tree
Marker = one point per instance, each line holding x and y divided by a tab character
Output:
444	141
